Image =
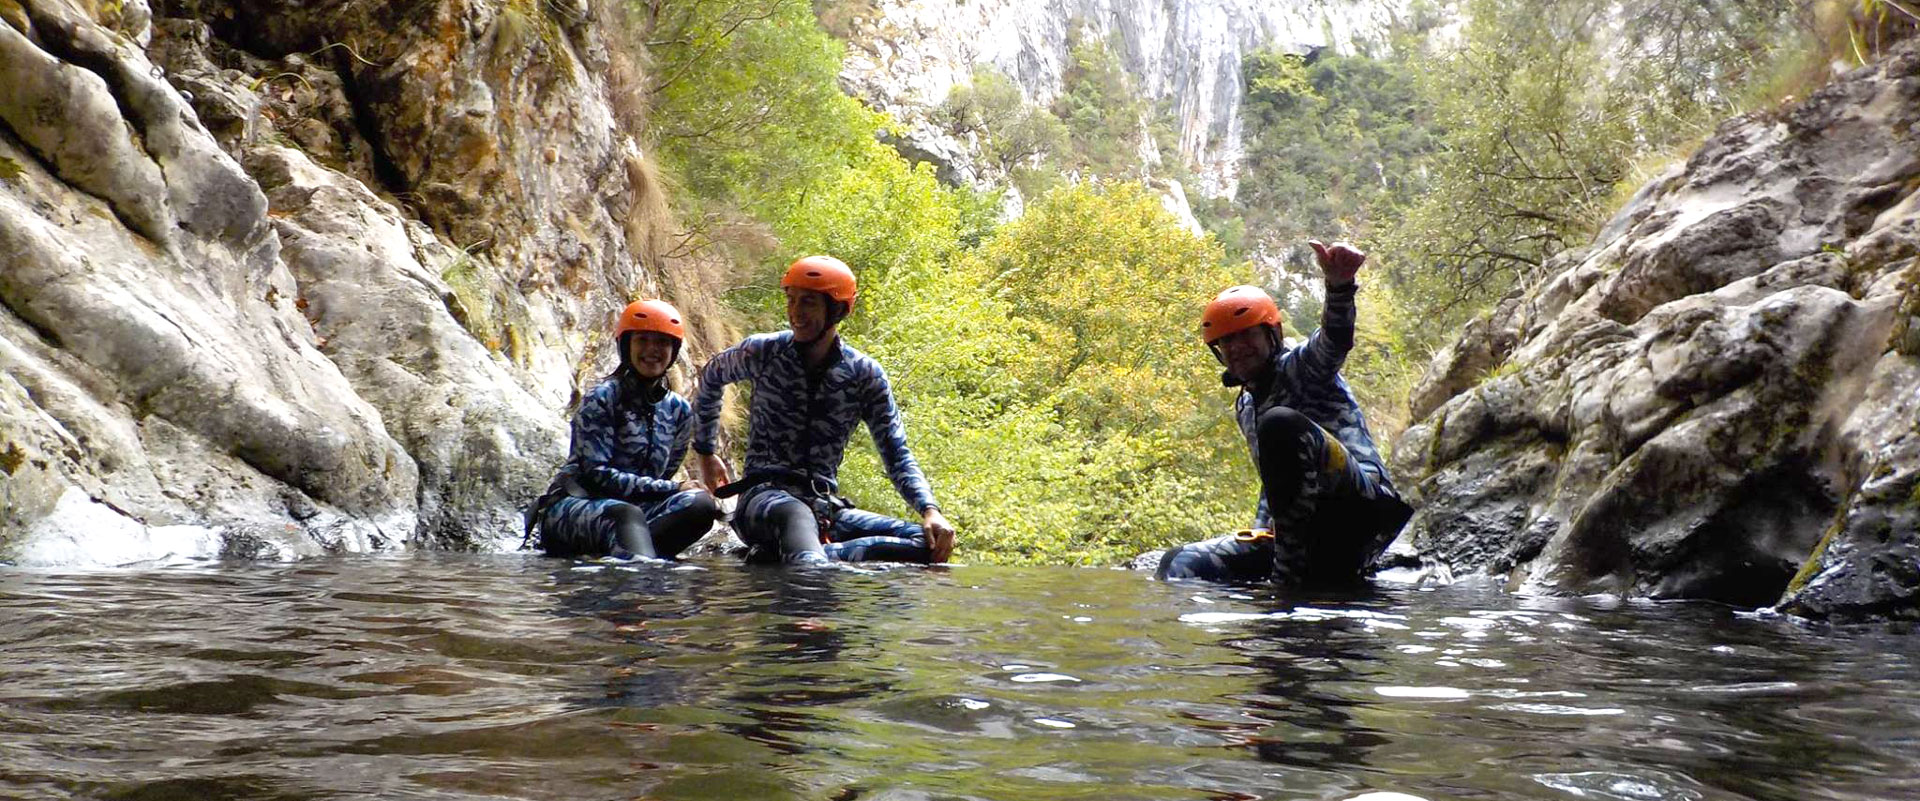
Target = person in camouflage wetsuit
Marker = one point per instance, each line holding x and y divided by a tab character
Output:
615	496
809	391
1327	507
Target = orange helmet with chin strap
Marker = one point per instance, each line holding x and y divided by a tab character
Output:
657	316
824	274
1237	309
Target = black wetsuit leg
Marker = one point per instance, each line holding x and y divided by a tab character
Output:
1331	517
863	536
589	527
681	520
1227	559
772	518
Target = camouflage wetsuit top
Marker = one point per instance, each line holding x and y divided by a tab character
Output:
800	421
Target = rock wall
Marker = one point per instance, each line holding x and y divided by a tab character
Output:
1720	397
304	277
906	55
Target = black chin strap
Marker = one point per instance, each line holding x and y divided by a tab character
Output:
840	312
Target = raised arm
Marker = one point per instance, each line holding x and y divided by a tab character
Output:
1326	350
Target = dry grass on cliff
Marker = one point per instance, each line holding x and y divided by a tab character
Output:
1835	36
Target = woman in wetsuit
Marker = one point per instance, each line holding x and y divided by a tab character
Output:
615	496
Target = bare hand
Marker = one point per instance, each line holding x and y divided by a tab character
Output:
1339	263
939	533
713	471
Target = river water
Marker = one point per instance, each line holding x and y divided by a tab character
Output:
473	676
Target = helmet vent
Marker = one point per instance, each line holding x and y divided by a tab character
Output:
1239	311
813	273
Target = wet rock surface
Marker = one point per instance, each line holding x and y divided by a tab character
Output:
303	277
1720	397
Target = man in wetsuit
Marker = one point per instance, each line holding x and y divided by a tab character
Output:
1327	508
809	390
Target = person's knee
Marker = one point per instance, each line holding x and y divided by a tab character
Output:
1282	423
703	507
1172	565
626	514
788	515
1283	436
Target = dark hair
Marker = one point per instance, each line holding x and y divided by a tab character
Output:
619	360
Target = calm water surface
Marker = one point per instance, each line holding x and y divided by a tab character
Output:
503	676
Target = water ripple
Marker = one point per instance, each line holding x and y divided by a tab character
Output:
451	676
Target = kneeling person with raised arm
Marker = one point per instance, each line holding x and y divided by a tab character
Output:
616	496
1327	508
809	390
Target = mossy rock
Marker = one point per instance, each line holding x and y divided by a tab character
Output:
16	15
1906	329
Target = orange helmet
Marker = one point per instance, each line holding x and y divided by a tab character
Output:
650	315
1236	309
822	274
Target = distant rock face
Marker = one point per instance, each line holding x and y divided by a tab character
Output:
286	278
1720	398
906	56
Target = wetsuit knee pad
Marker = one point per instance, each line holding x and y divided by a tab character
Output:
786	516
1282	426
702	507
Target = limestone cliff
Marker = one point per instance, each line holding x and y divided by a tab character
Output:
1720	397
290	277
906	55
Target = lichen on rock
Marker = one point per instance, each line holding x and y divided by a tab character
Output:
1722	383
227	223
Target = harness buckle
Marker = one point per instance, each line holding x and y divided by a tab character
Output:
1253	534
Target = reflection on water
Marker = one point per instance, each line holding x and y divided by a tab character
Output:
473	676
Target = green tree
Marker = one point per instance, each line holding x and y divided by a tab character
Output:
1055	387
1106	118
745	104
1012	132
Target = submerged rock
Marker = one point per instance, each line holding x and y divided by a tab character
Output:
1721	392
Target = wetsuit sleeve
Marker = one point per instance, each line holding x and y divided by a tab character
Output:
1320	359
595	436
890	439
682	436
730	365
1242	413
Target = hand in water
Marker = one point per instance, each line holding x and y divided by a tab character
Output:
939	533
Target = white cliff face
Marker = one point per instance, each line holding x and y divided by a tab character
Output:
1185	53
